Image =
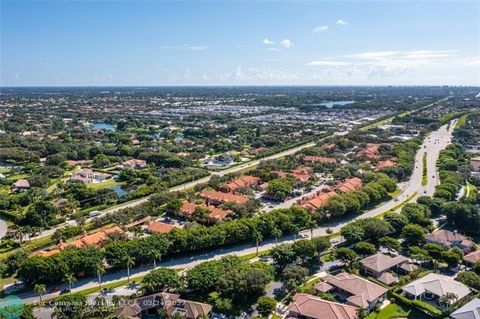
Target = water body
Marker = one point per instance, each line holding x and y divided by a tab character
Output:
121	192
103	127
331	104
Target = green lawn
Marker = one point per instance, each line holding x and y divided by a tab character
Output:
424	171
393	311
109	183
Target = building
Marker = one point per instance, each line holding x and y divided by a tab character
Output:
88	176
172	304
475	162
241	182
95	239
134	164
188	208
371	151
355	290
318	201
472	258
378	264
213	197
306	306
433	286
21	185
450	239
319	159
385	164
349	185
159	228
470	310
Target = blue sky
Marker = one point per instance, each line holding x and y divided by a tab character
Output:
239	43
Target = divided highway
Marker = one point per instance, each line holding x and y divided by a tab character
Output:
432	145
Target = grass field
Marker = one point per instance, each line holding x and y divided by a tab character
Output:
107	184
394	311
424	171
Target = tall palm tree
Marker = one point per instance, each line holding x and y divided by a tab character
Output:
129	262
100	271
69	279
156	255
311	224
40	290
257	237
276	233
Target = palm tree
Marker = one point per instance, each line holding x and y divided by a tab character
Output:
40	290
69	279
129	262
257	237
311	224
100	271
276	233
156	255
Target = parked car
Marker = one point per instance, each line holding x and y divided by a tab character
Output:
94	213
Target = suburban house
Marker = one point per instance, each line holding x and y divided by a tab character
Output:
171	303
385	164
471	258
371	151
213	197
450	239
319	159
475	162
306	306
21	185
355	290
241	182
379	266
80	163
188	208
433	286
349	185
134	164
88	176
318	201
159	228
95	239
470	310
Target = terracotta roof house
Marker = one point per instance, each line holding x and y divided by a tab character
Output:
378	264
385	164
433	286
388	278
318	201
356	290
241	182
450	239
470	310
311	307
21	184
95	239
472	257
302	174
319	159
172	304
371	151
135	164
216	198
80	163
350	185
188	208
159	228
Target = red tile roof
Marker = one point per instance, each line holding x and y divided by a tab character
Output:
220	197
350	185
320	159
159	228
314	307
244	181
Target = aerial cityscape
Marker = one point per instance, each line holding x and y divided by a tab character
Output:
240	159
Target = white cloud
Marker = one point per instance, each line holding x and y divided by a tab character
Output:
267	41
328	63
321	28
286	43
274	49
342	22
372	55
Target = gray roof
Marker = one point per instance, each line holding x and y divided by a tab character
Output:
381	262
469	311
438	285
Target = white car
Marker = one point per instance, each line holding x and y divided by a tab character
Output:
303	235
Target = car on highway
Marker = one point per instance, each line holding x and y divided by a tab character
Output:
303	235
54	289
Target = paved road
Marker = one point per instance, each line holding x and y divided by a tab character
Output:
3	228
433	144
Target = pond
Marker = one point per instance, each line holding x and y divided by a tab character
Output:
330	104
121	191
103	127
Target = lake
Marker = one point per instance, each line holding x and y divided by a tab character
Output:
103	127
